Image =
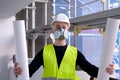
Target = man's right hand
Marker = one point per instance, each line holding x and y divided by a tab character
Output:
17	69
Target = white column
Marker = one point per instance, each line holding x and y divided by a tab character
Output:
112	27
21	48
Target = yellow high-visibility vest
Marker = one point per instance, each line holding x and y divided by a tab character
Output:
66	70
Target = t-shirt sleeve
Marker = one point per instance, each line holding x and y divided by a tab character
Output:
86	66
36	63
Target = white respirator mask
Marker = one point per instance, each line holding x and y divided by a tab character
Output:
61	34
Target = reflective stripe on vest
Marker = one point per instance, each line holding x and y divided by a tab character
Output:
66	70
55	79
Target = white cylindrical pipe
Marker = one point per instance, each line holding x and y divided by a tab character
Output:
21	48
75	8
112	27
33	48
69	8
69	38
108	4
33	27
33	15
26	19
54	7
45	13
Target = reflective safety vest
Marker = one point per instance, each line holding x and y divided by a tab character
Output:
66	70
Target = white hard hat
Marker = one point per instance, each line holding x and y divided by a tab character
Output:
61	18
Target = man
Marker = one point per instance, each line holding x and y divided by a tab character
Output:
59	59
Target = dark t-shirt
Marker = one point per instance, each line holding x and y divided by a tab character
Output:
60	50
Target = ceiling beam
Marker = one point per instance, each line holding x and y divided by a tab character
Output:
96	19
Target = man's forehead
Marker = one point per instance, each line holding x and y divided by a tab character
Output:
57	22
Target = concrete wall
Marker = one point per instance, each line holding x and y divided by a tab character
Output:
6	46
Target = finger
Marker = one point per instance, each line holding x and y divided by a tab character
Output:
15	64
111	65
18	70
110	70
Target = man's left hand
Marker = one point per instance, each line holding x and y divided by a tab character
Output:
110	69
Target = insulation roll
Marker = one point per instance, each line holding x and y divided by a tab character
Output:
112	27
21	48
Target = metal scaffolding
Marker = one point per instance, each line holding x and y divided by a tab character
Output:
33	37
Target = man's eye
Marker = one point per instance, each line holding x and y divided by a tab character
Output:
57	26
63	27
60	26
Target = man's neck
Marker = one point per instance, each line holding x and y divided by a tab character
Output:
60	43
